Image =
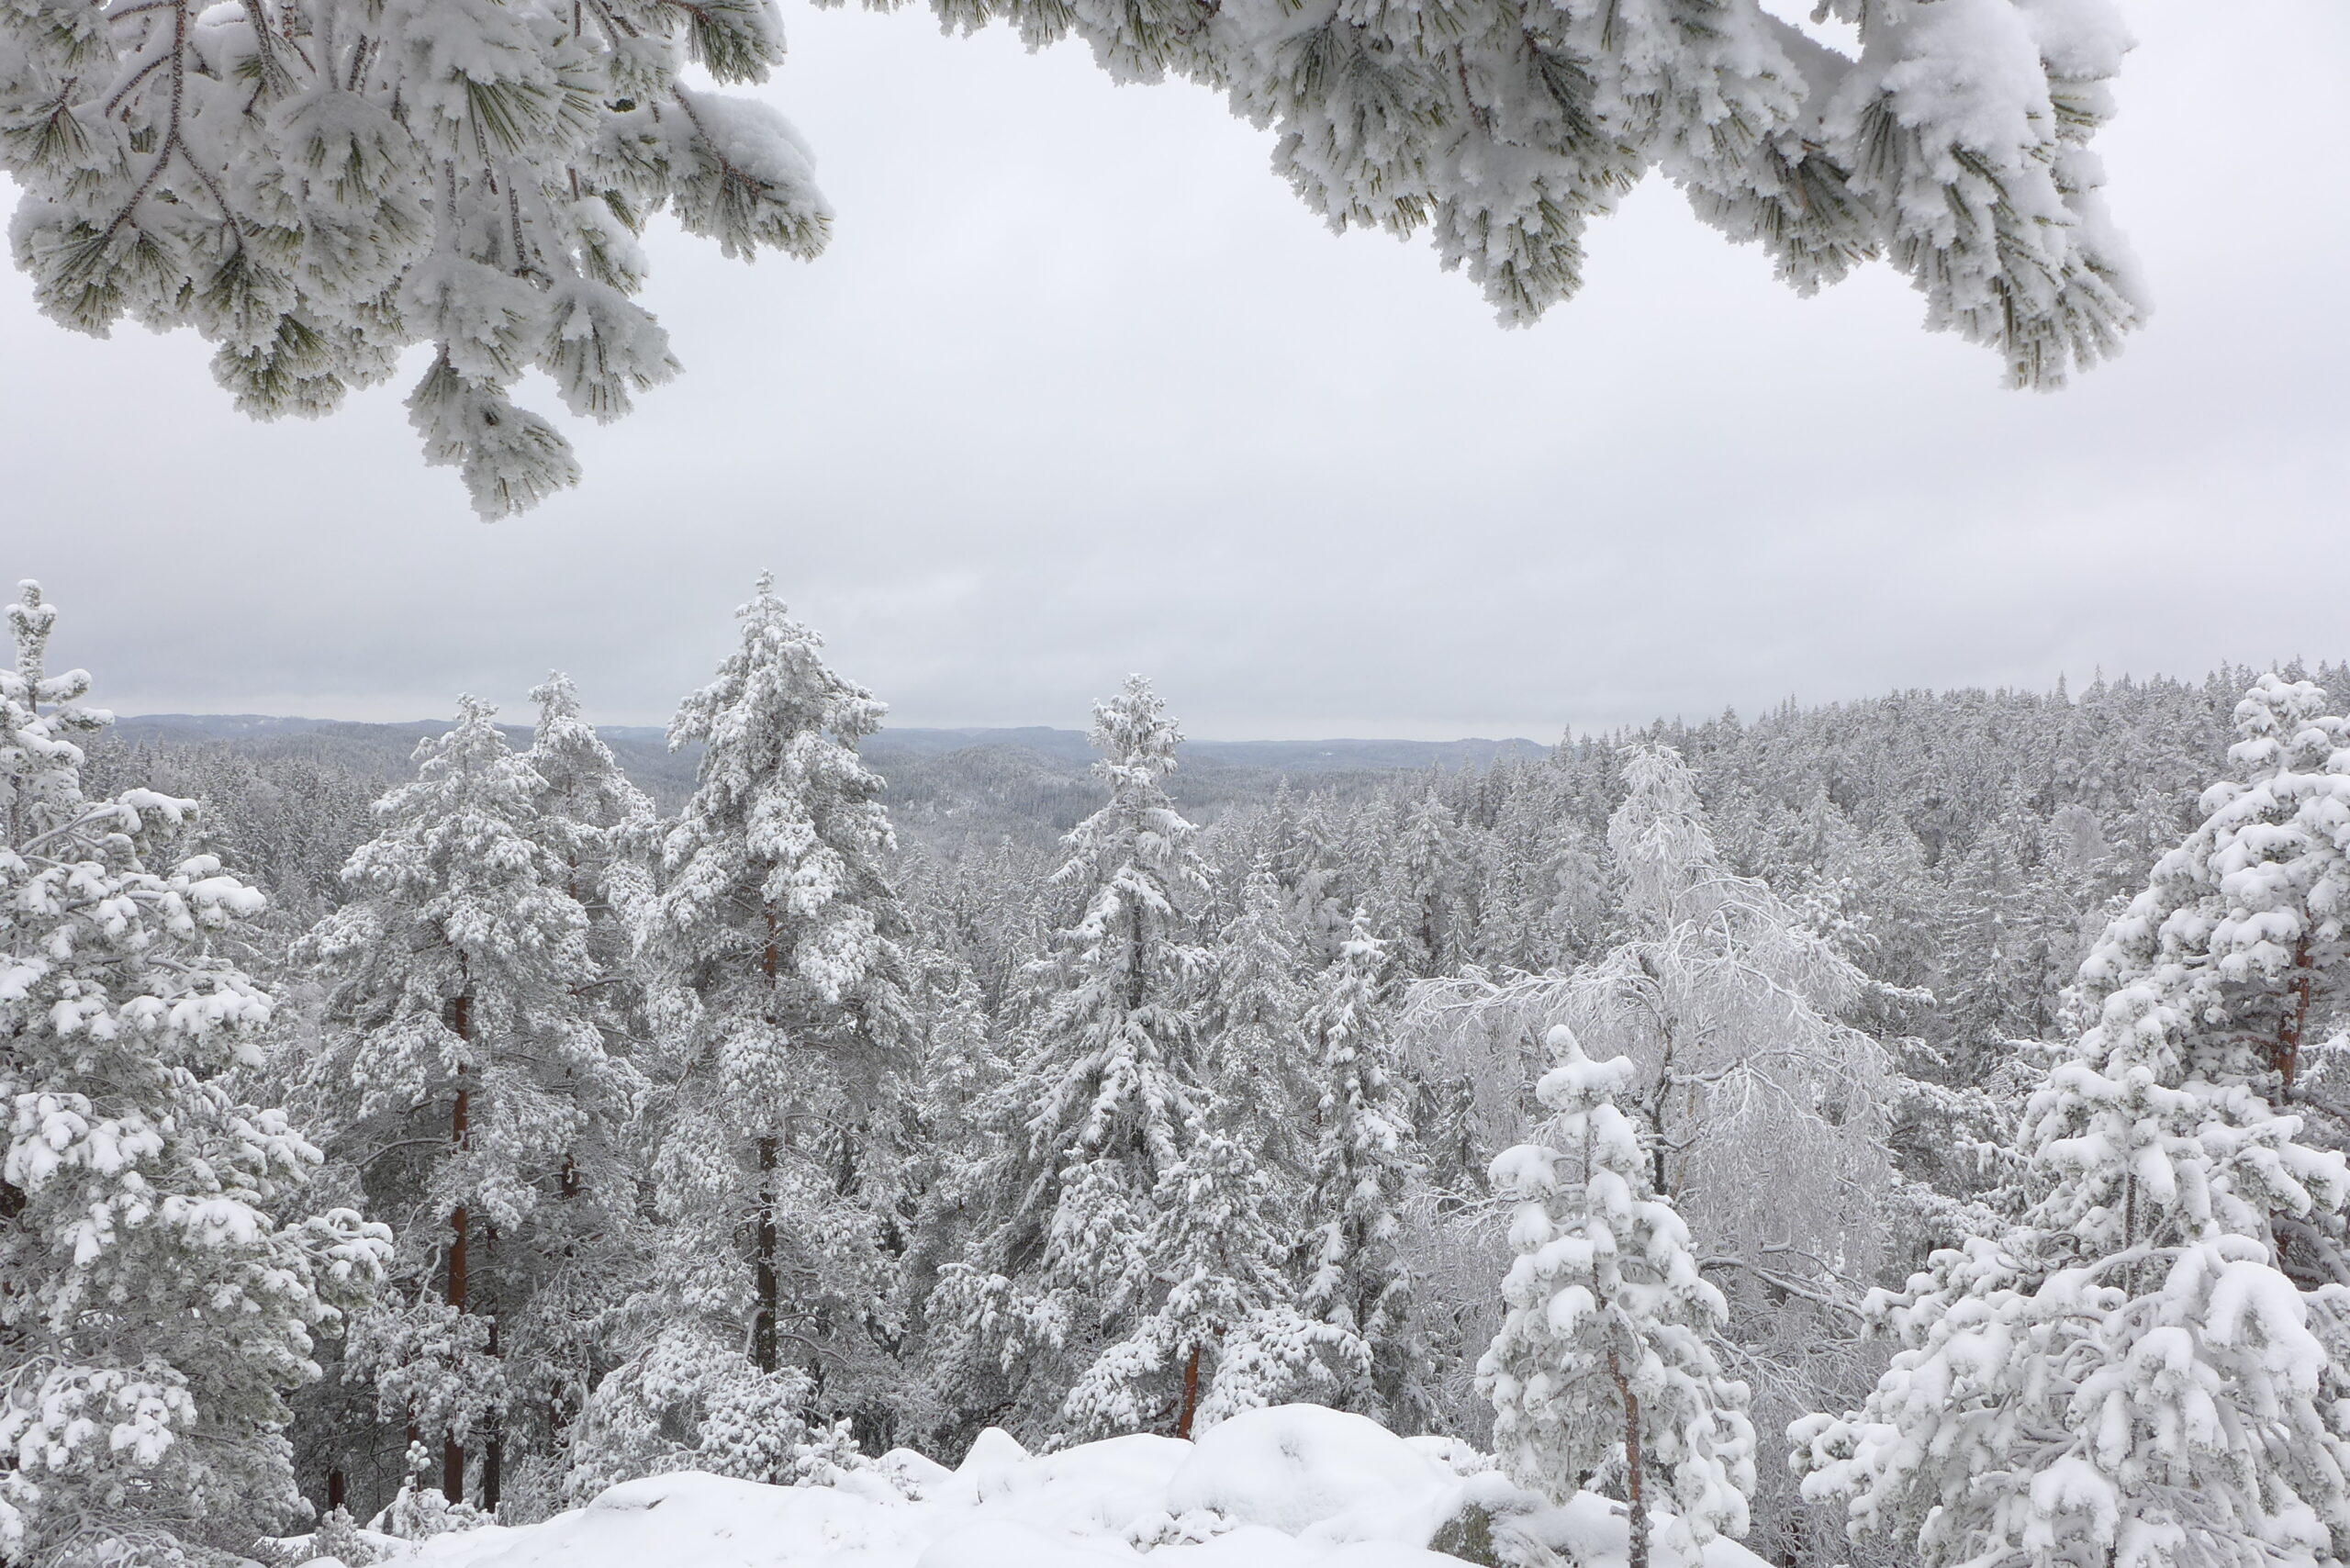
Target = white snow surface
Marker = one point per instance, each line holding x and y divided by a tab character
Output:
1288	1486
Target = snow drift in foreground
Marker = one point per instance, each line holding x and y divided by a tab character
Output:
1285	1488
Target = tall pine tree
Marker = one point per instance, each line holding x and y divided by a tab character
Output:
464	1071
1098	1109
777	985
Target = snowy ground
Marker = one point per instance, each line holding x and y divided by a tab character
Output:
1288	1487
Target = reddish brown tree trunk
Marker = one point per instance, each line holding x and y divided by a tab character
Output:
762	1323
2286	1056
1638	1556
1190	1395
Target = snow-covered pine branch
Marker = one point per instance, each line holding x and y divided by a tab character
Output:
317	185
1955	146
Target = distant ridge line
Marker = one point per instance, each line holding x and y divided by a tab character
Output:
1059	745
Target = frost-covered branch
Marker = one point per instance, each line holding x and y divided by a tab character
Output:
319	187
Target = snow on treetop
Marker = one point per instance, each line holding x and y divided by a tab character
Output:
1576	1081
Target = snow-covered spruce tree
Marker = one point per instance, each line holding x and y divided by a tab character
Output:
1102	1096
317	185
777	986
1232	1329
1604	1371
1422	892
988	907
159	1285
1357	1279
957	1075
2129	1376
1296	847
1227	1334
2008	941
463	1073
595	1249
1541	894
1255	1059
592	816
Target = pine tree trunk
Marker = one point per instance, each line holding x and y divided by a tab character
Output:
493	1452
452	1454
1638	1556
2287	1057
762	1323
1137	975
1190	1395
556	1419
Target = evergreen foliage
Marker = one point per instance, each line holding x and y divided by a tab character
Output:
1094	1117
1225	1334
1356	1277
318	187
764	1165
161	1280
465	1074
776	993
2129	1376
1604	1371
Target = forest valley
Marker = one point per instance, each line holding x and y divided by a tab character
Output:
1907	1131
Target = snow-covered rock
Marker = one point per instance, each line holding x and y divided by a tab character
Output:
1318	1475
1292	1486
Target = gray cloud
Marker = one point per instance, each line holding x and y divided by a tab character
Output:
1081	388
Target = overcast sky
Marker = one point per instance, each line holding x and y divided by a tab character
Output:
1081	388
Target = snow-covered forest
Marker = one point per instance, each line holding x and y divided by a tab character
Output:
1909	1130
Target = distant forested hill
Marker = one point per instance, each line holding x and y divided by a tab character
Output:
946	785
